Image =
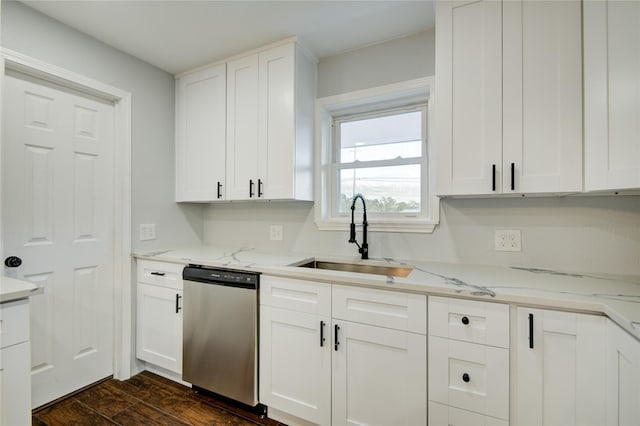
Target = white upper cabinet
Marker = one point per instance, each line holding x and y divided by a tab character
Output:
509	97
201	135
246	132
242	128
612	95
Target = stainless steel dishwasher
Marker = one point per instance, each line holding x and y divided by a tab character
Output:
220	332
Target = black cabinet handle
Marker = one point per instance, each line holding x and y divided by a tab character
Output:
219	190
530	331
12	262
178	307
160	274
466	378
259	188
493	177
250	188
465	320
513	176
336	343
322	339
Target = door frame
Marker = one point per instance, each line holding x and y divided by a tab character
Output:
122	297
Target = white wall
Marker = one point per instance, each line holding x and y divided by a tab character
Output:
398	60
579	233
29	32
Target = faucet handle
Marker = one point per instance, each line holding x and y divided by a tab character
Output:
352	233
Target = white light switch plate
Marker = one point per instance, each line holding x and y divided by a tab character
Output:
147	231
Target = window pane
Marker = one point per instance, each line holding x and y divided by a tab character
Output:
394	189
381	138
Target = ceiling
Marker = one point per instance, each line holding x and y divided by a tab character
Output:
176	35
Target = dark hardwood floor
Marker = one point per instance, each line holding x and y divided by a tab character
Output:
145	399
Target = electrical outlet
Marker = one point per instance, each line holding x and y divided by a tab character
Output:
276	233
147	231
508	240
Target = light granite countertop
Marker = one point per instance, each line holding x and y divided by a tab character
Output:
616	296
14	289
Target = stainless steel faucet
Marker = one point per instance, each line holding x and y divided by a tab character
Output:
364	249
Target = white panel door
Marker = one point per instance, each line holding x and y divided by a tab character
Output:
58	197
542	83
201	135
242	128
623	377
159	326
379	376
276	126
612	94
560	374
469	88
295	363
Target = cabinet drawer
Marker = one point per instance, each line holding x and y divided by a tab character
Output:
469	376
296	295
396	310
469	320
14	322
160	273
442	415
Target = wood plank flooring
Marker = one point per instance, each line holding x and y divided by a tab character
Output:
145	399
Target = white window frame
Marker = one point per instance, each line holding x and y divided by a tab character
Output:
397	95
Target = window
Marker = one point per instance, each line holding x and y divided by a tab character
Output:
375	143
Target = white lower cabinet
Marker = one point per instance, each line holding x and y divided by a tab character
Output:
160	326
469	376
15	364
316	368
623	377
295	363
560	368
379	376
443	415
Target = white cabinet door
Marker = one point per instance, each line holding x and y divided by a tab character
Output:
15	385
560	368
542	83
201	135
623	377
612	94
242	128
276	151
442	415
159	326
379	376
469	88
295	365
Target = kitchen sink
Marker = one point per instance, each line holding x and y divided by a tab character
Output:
386	270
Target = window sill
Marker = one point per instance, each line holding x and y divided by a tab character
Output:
421	226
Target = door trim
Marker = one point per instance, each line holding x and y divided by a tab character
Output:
9	59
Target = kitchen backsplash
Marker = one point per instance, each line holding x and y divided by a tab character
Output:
576	233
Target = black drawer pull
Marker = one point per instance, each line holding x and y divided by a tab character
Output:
322	339
178	307
336	343
219	190
160	274
465	320
466	378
